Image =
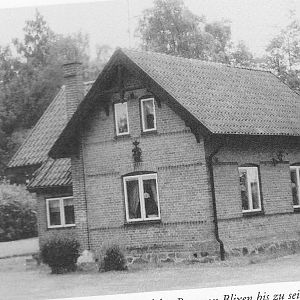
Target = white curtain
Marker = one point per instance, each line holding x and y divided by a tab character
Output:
153	189
133	199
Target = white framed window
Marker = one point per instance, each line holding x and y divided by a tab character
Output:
295	181
121	118
60	212
141	197
250	189
148	114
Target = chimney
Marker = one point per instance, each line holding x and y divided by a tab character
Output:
74	88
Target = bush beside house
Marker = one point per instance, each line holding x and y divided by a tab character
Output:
114	260
17	213
60	253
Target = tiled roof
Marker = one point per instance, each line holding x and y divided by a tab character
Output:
225	99
222	99
42	137
52	173
35	149
37	145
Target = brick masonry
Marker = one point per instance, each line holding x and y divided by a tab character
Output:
186	214
278	222
186	228
44	232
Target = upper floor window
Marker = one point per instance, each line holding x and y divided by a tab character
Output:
250	189
121	118
148	114
141	197
294	170
60	212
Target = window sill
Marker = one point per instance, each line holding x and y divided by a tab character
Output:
249	214
142	222
61	227
297	210
120	137
149	133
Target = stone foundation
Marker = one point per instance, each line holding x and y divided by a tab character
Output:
269	248
158	258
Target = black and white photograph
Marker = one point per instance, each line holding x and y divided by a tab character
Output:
149	146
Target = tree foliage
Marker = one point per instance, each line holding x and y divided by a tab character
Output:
17	212
38	38
170	27
283	54
241	56
30	80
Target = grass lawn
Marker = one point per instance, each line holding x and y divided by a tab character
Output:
18	283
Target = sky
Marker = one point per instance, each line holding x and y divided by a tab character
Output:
107	22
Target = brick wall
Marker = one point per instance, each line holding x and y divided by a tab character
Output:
79	194
183	186
43	230
173	152
279	221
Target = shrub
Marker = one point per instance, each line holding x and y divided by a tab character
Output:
12	192
60	254
17	221
114	259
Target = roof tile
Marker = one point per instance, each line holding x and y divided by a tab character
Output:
225	99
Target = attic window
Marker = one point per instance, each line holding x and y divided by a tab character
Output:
60	212
148	114
121	118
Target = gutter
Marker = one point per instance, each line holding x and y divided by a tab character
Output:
213	195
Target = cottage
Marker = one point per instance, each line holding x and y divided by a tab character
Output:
168	155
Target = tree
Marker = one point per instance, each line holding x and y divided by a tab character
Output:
170	27
9	67
29	82
103	53
283	54
37	41
220	33
40	77
241	56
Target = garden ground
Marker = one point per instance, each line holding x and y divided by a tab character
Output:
19	282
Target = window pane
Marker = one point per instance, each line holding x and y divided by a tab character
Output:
69	211
121	118
133	199
254	194
148	111
244	189
253	180
150	198
54	212
294	187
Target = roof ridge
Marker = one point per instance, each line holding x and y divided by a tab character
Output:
198	60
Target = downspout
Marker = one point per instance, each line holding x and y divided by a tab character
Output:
213	196
85	199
